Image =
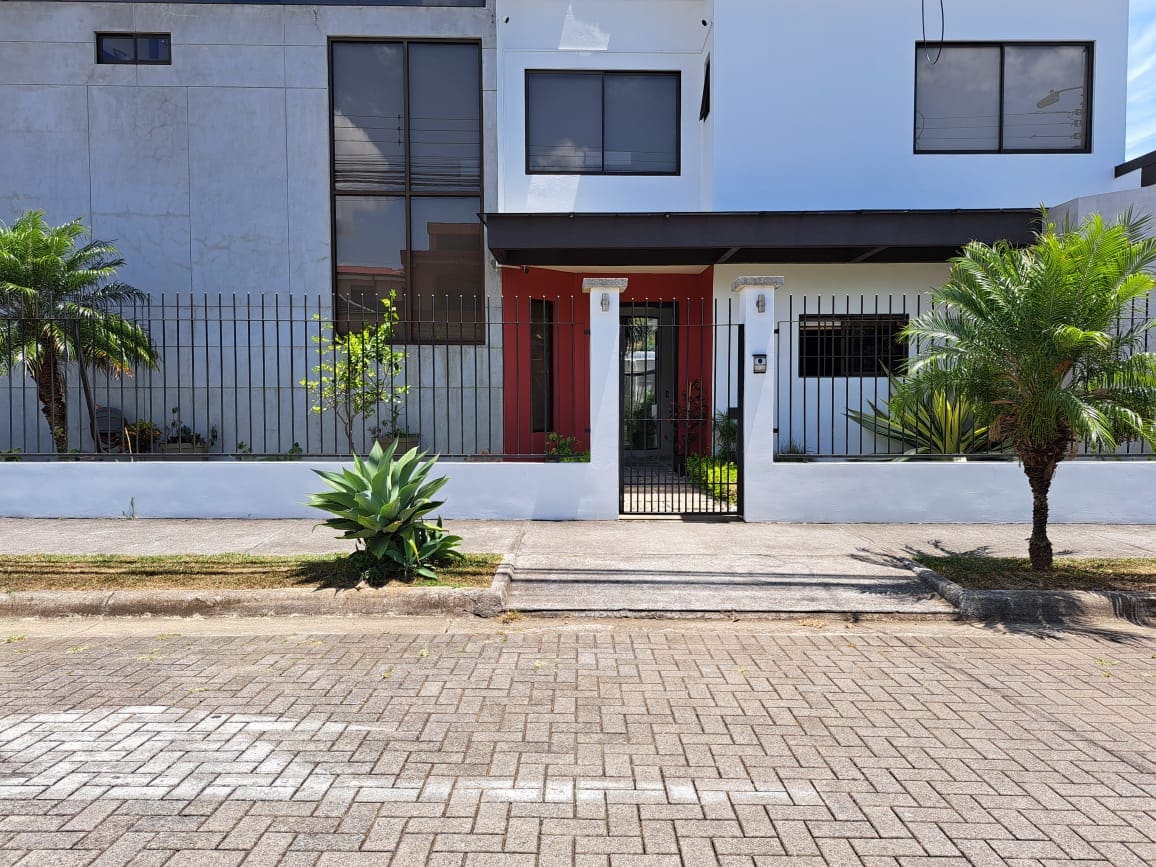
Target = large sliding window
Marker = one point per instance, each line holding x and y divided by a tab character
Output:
865	345
1003	98
602	123
407	187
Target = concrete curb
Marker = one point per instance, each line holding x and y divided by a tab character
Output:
1049	606
428	601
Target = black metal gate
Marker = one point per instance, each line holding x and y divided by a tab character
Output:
681	409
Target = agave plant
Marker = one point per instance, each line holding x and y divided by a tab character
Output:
939	423
383	503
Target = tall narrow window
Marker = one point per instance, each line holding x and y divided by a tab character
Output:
407	186
541	365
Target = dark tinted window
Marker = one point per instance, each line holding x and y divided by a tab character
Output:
133	48
853	345
602	123
564	122
368	116
396	231
444	122
994	98
542	365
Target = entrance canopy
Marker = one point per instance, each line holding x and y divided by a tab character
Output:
714	238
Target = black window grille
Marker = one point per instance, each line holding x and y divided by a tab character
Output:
851	345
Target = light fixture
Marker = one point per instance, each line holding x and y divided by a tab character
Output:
605	302
761	303
1054	96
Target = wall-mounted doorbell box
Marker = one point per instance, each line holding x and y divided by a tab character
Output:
760	362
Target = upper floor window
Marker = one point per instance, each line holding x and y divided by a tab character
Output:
1003	98
407	187
602	123
135	48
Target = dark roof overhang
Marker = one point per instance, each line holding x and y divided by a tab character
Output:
710	238
1146	164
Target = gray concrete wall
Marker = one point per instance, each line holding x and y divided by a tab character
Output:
211	174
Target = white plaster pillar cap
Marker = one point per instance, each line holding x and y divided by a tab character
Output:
742	283
604	284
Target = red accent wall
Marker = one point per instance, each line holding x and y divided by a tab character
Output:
693	294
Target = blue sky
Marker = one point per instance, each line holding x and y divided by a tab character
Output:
1142	79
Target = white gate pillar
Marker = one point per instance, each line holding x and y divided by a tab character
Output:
605	382
757	313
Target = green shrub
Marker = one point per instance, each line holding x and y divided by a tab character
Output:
717	477
383	503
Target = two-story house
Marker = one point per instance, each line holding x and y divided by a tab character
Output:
489	164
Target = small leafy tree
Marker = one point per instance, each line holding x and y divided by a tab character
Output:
357	372
54	310
1044	343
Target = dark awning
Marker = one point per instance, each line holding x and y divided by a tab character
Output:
709	238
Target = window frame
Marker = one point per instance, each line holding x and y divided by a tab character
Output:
837	325
1089	78
407	322
602	73
134	36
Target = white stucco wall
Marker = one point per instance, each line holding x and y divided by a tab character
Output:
662	35
814	105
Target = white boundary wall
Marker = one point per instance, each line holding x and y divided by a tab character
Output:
843	492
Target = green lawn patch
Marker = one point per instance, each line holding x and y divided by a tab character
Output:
718	478
219	572
1015	573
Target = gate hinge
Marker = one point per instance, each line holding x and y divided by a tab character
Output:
586	332
776	331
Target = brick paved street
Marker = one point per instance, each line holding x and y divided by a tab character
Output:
608	743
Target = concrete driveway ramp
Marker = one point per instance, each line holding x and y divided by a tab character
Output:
673	568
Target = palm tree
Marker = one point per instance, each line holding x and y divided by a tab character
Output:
1044	342
54	300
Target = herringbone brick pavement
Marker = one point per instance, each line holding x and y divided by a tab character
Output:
576	744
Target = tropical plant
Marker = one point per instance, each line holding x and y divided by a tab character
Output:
383	503
181	434
1045	345
565	449
55	300
938	423
357	372
726	436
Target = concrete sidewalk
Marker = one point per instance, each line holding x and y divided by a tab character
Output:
636	566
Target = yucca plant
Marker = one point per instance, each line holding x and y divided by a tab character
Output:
938	423
383	503
1046	344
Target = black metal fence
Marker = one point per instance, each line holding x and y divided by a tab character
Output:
832	360
278	377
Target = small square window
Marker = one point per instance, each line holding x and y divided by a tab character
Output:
134	48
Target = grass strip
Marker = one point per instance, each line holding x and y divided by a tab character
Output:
217	572
1015	573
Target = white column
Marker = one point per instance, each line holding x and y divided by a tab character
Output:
757	313
605	382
